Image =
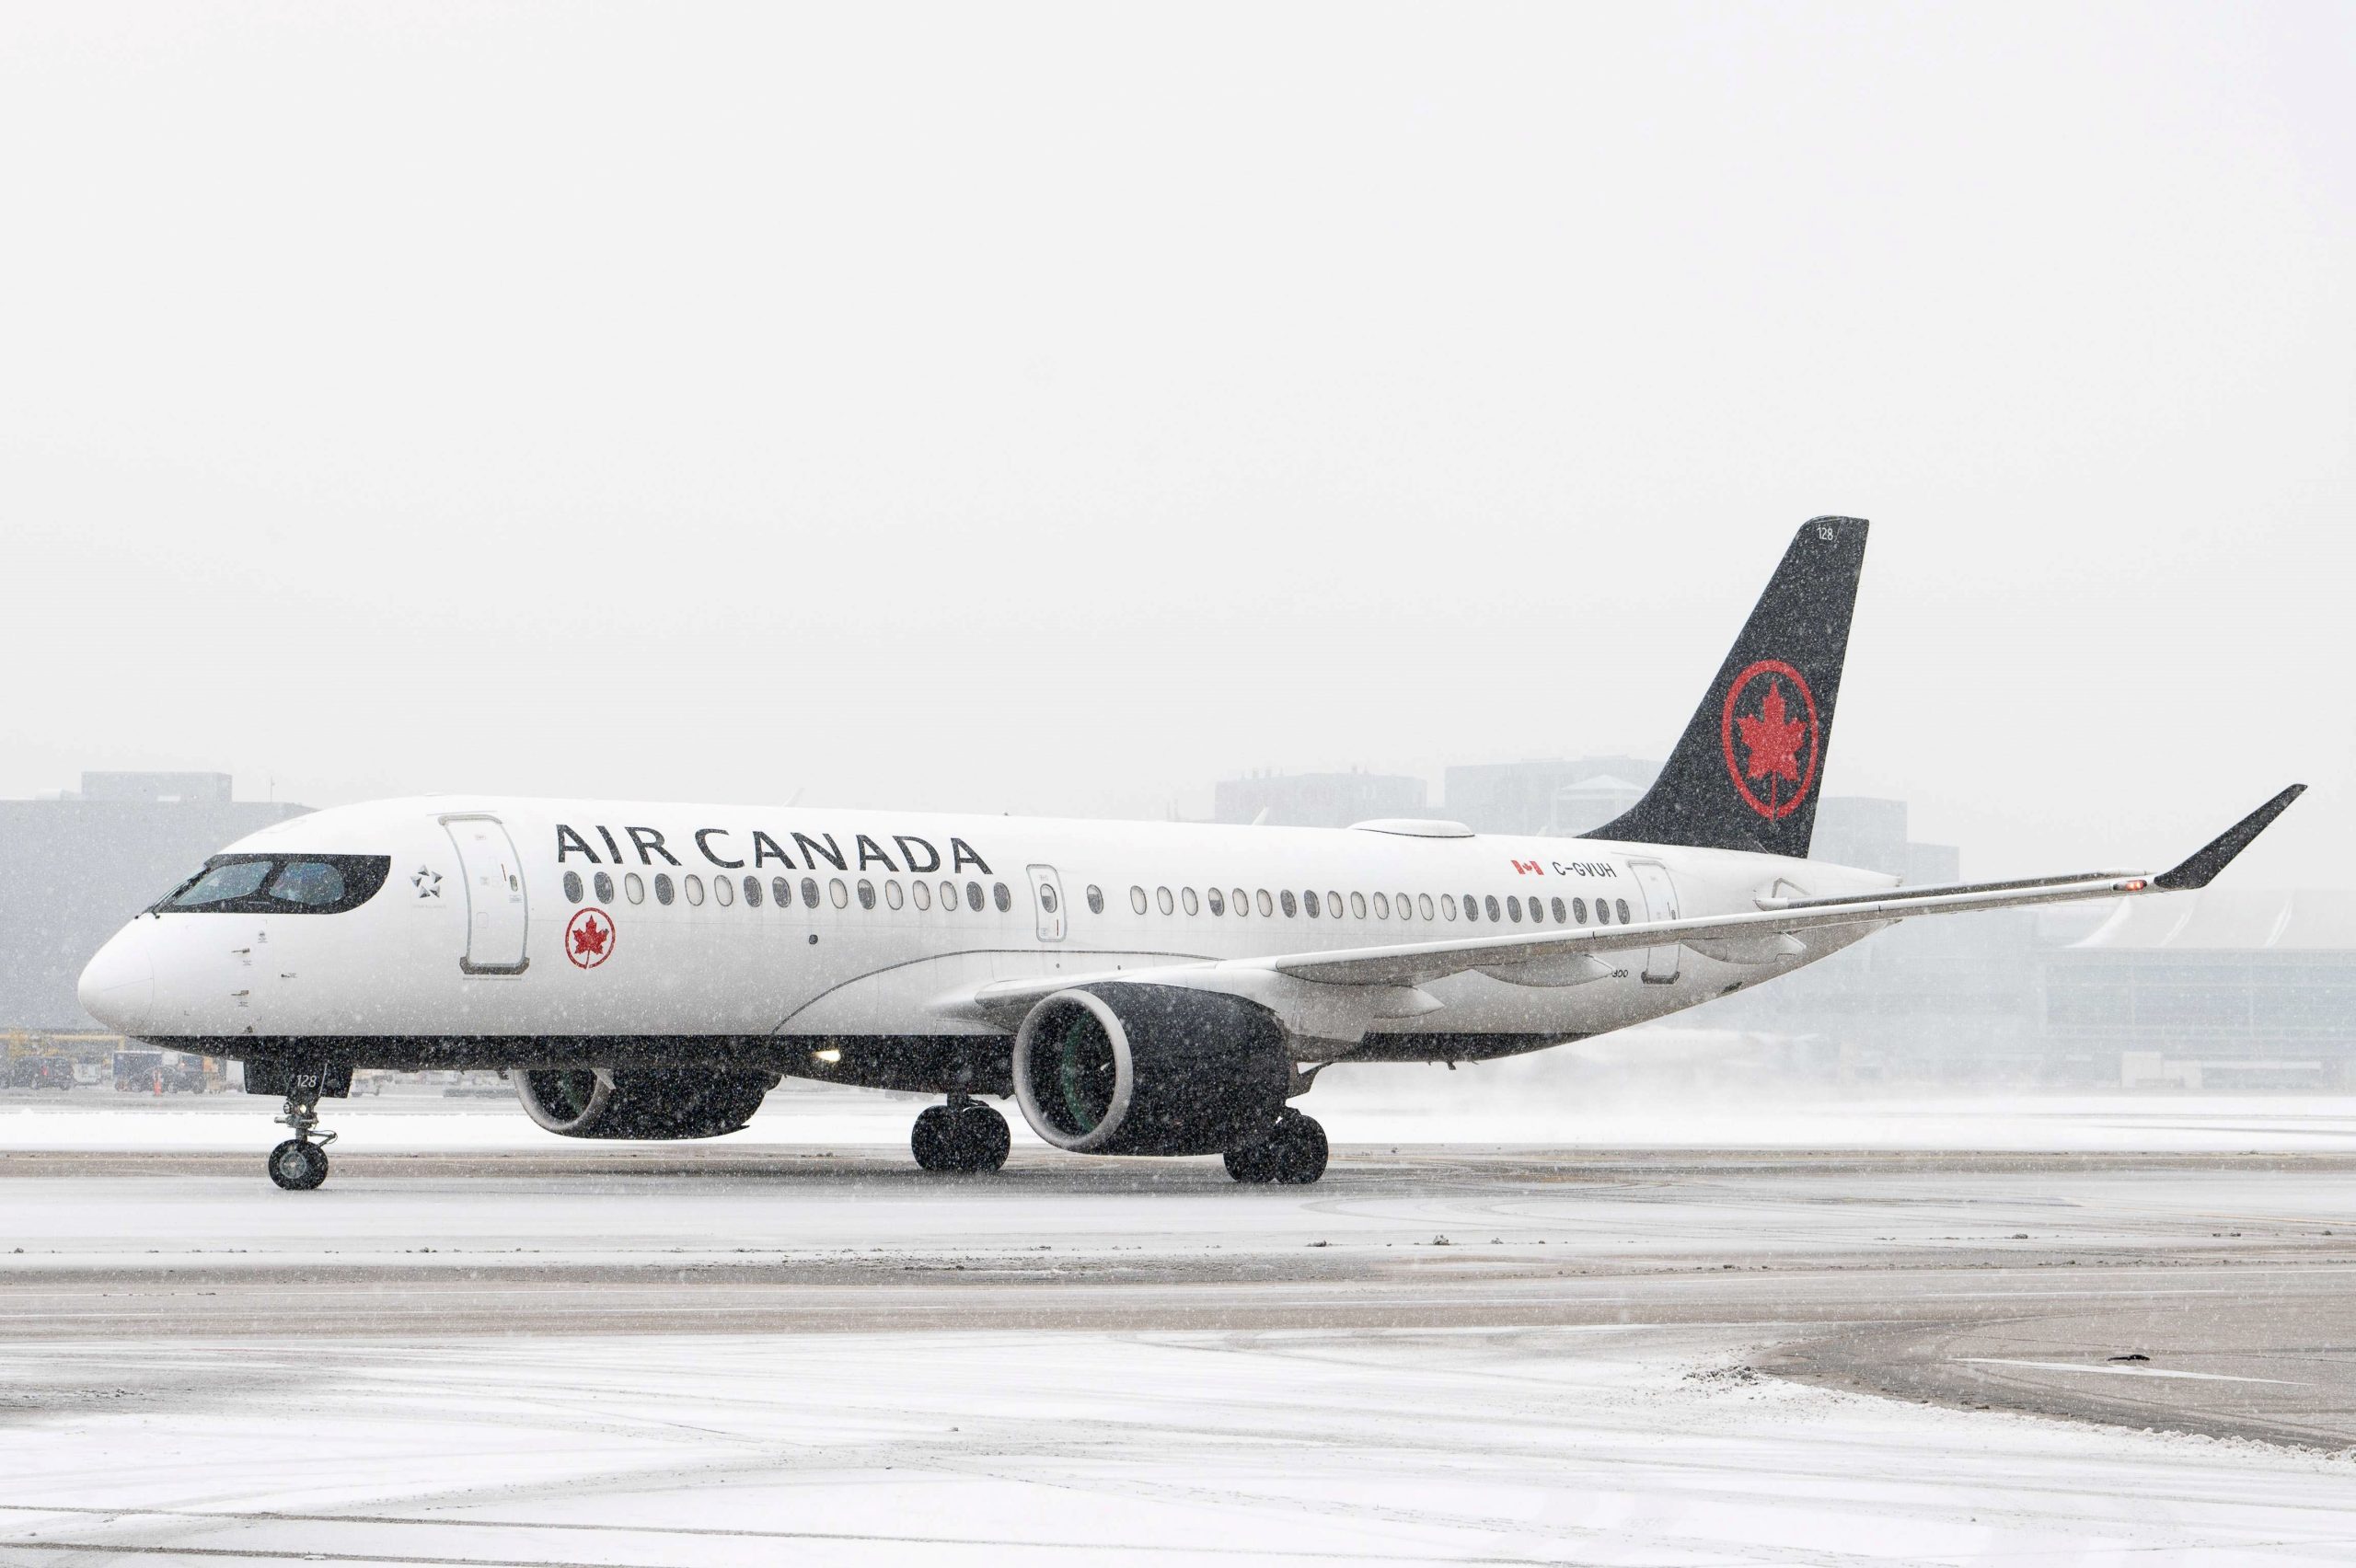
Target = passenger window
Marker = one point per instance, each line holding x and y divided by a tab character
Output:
810	891
723	891
948	898
634	888
1308	902
1268	904
973	896
866	894
1162	900
1513	909
1579	911
892	894
1095	899
1242	902
603	882
1047	900
1358	905
1490	904
571	883
1620	907
922	893
1187	901
1000	896
1333	905
1381	905
1472	906
837	893
752	893
661	887
1137	899
1561	915
1217	901
1447	906
1603	912
781	892
1292	904
695	888
1406	908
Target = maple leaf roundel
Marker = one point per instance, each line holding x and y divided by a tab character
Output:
589	938
1771	738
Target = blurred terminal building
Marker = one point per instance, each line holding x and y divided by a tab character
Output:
80	863
2220	989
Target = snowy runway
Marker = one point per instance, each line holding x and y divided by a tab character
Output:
511	1350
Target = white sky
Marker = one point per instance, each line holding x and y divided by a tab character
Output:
1057	409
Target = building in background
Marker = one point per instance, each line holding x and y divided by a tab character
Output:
1317	800
1559	796
2220	989
82	864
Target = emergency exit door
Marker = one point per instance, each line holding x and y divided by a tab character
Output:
1660	904
1048	897
496	906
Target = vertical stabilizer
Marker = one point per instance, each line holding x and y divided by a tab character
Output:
1745	774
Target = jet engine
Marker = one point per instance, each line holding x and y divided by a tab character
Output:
1133	1068
645	1102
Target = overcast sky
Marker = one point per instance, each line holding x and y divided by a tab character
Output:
1055	410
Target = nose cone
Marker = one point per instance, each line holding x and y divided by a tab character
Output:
119	986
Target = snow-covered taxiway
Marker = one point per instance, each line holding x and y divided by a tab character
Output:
481	1347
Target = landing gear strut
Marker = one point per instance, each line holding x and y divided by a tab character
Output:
963	1134
1292	1153
301	1162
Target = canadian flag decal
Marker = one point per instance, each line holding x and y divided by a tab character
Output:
1529	868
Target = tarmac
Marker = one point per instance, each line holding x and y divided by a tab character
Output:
631	1354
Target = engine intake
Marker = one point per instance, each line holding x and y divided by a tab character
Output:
647	1102
1133	1068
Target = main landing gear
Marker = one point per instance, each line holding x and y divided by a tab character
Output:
301	1162
1292	1153
963	1134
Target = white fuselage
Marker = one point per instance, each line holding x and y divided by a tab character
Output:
509	931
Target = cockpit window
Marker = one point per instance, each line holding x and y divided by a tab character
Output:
217	884
307	881
280	885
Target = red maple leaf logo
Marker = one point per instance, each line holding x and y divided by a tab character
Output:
590	937
1773	740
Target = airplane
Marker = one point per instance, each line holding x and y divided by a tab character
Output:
651	971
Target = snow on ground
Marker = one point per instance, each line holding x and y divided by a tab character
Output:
1613	1445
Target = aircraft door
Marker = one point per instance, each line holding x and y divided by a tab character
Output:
1048	897
495	898
1660	904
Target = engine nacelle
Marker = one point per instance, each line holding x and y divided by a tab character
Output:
1133	1068
640	1103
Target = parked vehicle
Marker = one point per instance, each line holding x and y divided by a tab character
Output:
38	1072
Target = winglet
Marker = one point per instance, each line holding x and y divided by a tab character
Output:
2203	867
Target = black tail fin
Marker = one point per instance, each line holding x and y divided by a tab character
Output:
1745	774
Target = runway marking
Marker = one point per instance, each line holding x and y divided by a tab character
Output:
2127	1371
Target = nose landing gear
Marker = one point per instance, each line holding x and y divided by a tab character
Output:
1293	1153
301	1162
963	1134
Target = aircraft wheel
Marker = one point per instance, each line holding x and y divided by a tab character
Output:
1299	1148
983	1137
1254	1164
933	1140
298	1166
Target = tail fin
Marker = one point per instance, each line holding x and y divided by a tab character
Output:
1745	774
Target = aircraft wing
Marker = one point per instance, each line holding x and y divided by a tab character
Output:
1391	975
